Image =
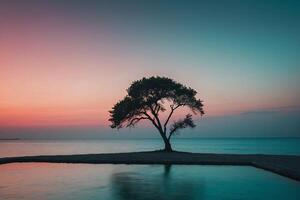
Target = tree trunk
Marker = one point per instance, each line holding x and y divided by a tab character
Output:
168	147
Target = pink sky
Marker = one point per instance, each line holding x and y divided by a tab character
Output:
59	70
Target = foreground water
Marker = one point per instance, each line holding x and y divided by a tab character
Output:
283	146
36	181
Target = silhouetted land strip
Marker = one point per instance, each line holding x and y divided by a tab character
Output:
285	165
5	139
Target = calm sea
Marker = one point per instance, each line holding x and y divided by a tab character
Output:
284	146
42	181
36	181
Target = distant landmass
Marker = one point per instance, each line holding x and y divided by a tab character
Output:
10	138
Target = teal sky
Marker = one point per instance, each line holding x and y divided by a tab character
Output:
77	58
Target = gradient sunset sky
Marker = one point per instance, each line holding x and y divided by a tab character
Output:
63	64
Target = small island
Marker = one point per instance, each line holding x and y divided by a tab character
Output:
288	166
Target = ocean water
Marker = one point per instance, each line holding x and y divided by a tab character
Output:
36	181
279	146
48	181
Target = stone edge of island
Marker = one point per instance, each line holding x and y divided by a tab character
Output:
285	165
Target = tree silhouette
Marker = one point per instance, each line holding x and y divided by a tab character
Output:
146	100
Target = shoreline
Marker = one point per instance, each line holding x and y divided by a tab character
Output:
285	165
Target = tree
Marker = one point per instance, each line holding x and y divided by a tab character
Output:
147	99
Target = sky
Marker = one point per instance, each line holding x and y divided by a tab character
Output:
64	64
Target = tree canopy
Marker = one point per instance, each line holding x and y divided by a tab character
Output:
145	100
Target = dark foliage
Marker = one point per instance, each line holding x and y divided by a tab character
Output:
145	100
181	124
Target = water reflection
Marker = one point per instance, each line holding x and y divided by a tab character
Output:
159	186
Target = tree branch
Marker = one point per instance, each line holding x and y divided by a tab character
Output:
157	119
169	117
170	134
181	124
152	120
135	120
157	109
